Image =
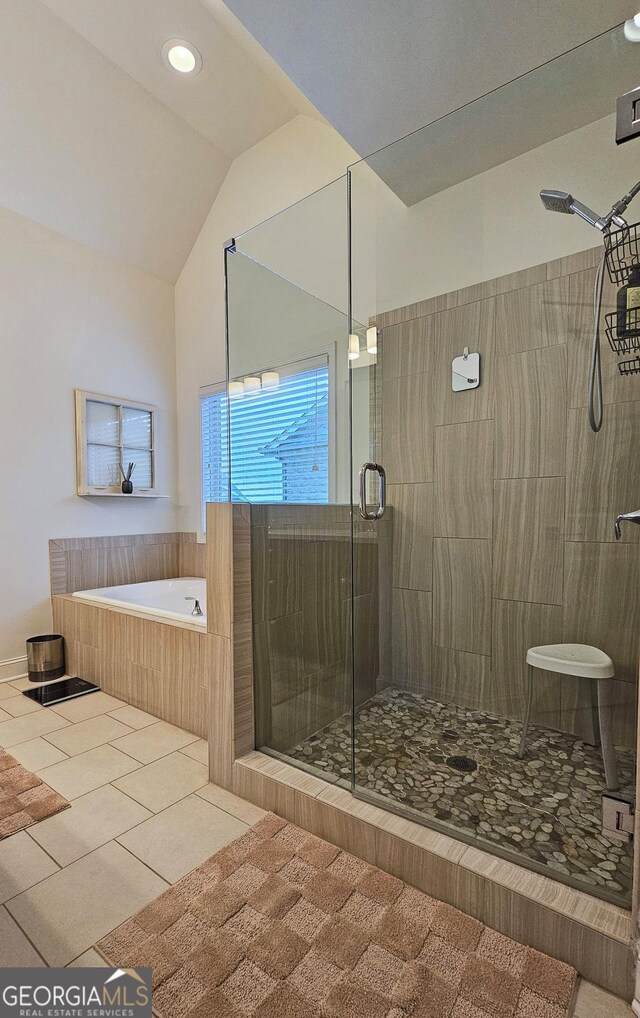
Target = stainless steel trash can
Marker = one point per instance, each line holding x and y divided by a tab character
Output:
45	657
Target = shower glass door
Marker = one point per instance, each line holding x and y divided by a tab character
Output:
498	530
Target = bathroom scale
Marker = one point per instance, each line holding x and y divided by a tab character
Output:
56	692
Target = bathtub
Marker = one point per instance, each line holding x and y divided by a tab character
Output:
158	599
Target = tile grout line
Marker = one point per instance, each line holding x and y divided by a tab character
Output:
61	869
25	935
59	865
43	849
222	809
64	866
141	763
147	866
153	816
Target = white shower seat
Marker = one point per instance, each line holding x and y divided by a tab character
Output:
587	663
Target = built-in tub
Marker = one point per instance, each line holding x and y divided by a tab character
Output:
158	599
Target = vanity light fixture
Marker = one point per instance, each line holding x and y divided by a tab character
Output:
354	347
270	380
236	389
632	29
252	384
181	56
372	340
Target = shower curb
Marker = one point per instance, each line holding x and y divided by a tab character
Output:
569	924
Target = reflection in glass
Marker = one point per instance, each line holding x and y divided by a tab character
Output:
136	427
142	476
103	423
103	465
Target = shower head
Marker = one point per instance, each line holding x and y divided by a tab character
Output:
557	201
562	201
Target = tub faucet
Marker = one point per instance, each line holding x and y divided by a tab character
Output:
197	610
633	517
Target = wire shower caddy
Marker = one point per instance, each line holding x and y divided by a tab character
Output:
622	253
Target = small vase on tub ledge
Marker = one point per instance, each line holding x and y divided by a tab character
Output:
127	483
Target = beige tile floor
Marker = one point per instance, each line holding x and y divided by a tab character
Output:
142	814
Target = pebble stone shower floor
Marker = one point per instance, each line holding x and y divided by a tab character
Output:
545	808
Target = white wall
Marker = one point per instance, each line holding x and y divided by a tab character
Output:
89	152
290	164
71	318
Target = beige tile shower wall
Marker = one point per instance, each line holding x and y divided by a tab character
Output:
504	499
301	578
160	668
88	562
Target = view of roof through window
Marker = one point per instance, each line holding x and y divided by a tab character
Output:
279	439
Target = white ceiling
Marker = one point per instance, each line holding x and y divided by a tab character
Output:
379	69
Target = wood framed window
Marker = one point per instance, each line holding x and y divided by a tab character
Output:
112	432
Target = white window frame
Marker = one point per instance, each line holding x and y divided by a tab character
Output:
82	397
214	389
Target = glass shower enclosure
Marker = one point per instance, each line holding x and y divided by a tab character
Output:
409	351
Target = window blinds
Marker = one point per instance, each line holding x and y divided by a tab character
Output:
279	440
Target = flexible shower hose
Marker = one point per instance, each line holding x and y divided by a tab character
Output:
595	371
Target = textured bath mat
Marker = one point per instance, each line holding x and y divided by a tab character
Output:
280	924
24	798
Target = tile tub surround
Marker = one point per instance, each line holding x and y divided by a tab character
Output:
282	922
544	809
504	500
152	665
86	563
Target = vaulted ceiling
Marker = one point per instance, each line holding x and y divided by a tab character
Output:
103	143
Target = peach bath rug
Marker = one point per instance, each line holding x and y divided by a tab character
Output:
280	924
24	798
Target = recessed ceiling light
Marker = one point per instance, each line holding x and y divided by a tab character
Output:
181	56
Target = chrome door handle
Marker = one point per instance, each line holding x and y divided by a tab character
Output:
382	491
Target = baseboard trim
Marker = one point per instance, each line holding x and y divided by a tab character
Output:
13	668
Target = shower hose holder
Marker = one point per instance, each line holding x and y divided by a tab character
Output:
465	371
